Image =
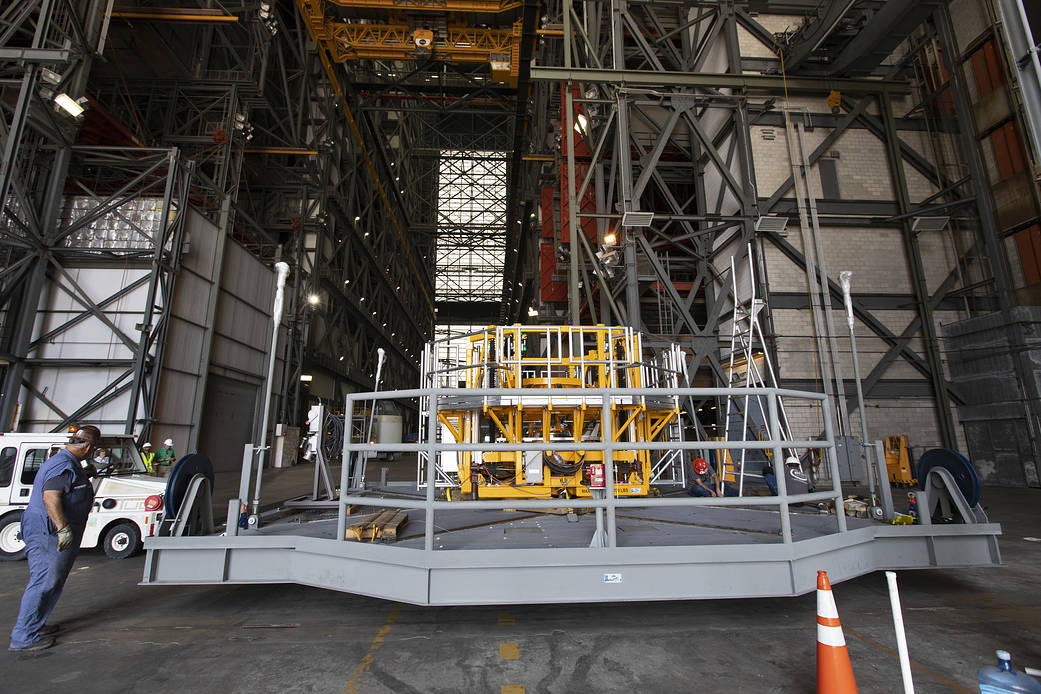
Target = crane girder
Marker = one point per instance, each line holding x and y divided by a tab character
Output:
395	42
345	41
488	6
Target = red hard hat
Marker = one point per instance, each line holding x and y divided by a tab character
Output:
700	466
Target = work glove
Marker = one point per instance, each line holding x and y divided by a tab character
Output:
65	539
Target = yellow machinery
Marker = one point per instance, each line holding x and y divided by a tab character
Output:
898	461
396	40
552	362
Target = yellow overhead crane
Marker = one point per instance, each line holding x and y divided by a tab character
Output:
488	6
500	48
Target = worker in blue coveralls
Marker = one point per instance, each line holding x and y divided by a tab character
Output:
52	527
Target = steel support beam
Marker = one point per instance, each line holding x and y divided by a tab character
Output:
760	84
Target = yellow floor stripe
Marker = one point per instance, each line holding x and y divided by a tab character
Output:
506	619
512	689
509	651
916	666
354	683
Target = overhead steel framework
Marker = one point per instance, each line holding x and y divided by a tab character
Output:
315	132
655	105
247	107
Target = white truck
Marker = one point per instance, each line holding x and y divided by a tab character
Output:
128	502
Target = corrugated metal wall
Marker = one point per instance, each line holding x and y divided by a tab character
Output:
217	347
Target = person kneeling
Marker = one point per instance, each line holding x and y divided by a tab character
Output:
706	483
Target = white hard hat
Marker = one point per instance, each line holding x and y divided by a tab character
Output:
146	445
168	442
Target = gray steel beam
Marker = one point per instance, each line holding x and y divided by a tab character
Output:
764	84
912	248
991	237
1027	66
35	55
814	32
865	316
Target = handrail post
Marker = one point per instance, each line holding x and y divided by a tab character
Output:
607	434
833	465
345	467
779	468
428	512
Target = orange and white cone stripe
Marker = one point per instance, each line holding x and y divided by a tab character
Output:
834	670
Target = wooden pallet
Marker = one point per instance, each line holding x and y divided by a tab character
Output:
385	526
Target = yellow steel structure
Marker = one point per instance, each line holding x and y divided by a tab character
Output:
344	41
553	362
487	6
311	11
898	461
463	44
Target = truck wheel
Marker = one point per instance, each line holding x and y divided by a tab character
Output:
122	540
12	548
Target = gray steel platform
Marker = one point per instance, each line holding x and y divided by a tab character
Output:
497	557
477	552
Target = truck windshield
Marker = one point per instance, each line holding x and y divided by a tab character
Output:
120	455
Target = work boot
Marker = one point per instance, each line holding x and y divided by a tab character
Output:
39	644
49	630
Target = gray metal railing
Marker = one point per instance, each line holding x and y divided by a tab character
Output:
432	447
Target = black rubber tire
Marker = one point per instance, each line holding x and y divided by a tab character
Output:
6	529
122	540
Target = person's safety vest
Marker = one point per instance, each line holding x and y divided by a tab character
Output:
148	458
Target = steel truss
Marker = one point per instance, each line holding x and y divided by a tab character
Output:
655	111
278	165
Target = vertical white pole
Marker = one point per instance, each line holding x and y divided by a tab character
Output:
845	277
901	638
281	272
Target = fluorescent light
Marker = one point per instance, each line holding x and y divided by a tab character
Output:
580	124
921	224
69	105
306	378
774	224
637	219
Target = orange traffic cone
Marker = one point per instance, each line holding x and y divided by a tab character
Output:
834	671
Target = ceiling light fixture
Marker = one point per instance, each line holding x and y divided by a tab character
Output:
71	106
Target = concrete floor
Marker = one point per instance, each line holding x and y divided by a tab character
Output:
117	635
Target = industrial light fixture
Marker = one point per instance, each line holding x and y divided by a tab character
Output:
772	223
580	124
50	76
306	378
610	238
532	312
74	107
637	219
921	224
313	299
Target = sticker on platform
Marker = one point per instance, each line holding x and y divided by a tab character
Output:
635	490
612	578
